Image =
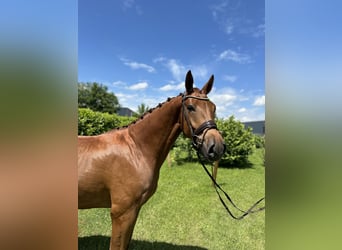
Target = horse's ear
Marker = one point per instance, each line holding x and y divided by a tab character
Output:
189	83
207	87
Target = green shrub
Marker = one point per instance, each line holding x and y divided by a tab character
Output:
93	123
259	141
239	141
183	150
260	144
125	120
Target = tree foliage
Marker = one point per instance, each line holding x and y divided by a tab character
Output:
96	97
142	108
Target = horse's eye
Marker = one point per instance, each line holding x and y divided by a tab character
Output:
191	108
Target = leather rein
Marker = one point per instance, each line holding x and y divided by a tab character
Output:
197	144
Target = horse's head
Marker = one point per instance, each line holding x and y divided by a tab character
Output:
198	120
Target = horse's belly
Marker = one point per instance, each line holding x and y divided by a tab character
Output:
93	198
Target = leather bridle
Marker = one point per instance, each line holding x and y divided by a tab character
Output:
197	142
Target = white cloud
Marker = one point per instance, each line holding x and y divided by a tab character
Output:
249	113
131	4
223	98
229	28
242	110
177	69
126	96
132	101
128	3
136	65
169	87
234	56
126	100
253	116
138	86
229	78
227	14
159	59
223	101
119	84
218	10
230	101
259	31
152	101
253	30
259	101
245	119
200	72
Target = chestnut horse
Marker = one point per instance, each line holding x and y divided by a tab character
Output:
120	169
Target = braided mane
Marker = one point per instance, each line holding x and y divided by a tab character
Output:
146	113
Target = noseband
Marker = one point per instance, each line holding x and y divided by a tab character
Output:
204	127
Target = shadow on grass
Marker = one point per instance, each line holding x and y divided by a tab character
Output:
245	164
97	242
100	242
240	165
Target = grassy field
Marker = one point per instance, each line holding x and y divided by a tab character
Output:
185	212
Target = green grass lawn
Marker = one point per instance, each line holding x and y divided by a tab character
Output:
185	212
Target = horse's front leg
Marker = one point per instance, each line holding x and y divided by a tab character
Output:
122	228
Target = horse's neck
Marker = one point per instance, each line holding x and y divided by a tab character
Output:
157	131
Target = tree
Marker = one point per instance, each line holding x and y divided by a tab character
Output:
142	108
97	97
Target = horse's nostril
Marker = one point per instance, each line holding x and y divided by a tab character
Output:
211	151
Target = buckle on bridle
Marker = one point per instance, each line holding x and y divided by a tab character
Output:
197	142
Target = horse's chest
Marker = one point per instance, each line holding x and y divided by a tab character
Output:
148	185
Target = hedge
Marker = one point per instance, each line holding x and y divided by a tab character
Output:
93	123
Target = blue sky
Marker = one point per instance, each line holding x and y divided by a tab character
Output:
142	50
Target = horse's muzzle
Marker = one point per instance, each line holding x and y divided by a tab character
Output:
213	147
